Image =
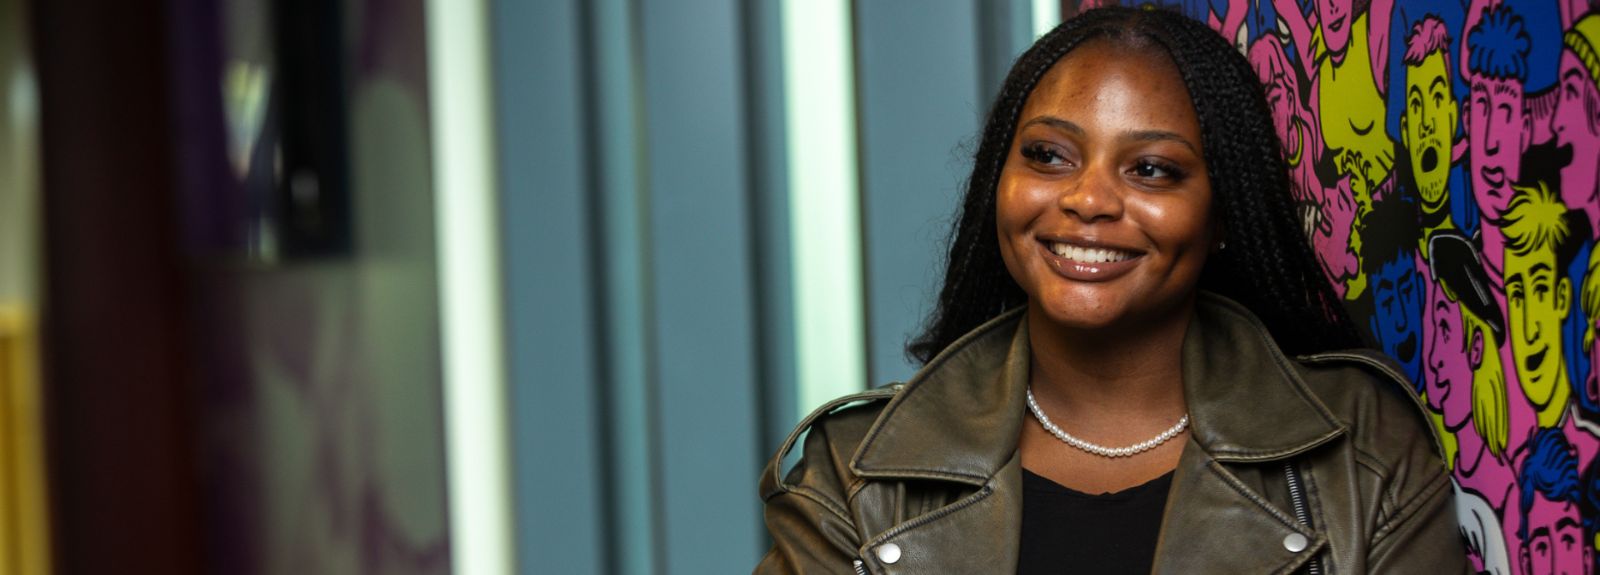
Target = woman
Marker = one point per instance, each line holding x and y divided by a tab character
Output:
1130	207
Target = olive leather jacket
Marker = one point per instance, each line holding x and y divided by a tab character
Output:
924	477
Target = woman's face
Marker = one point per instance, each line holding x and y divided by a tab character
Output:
1104	204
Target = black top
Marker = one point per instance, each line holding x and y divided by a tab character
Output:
1067	531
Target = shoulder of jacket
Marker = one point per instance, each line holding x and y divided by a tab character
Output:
845	420
1369	390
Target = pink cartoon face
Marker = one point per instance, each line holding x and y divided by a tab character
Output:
1336	18
1499	131
1333	237
1447	366
1555	539
1576	123
1283	90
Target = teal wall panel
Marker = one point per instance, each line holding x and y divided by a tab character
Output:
550	284
919	106
702	298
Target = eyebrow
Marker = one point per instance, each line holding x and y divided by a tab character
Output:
1565	522
1138	135
1436	81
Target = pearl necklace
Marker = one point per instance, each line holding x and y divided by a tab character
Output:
1100	450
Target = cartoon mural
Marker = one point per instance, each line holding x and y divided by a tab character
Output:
1453	197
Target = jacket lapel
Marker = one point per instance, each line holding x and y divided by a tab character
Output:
976	534
1215	524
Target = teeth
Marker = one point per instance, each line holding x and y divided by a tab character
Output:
1088	255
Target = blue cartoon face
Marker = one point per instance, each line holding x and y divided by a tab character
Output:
1397	293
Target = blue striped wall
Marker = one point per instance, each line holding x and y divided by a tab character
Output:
649	251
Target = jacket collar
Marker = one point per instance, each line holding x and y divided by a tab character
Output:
959	417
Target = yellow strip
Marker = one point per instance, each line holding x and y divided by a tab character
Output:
24	518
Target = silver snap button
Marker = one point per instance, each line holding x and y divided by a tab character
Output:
1295	542
889	553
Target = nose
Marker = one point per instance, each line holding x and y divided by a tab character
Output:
1093	195
1492	140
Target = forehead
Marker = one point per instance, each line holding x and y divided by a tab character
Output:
1100	78
1430	67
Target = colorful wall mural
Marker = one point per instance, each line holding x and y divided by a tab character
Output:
1445	156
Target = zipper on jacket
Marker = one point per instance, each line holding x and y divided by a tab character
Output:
1313	567
861	568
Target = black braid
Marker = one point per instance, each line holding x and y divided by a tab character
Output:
1268	266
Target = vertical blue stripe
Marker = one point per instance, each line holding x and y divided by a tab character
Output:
702	277
920	107
549	292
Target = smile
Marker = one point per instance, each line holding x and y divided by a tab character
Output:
1535	360
1088	263
1089	255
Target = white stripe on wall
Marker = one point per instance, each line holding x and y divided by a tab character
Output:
824	202
469	287
1046	16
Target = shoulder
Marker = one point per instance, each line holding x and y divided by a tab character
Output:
826	441
1367	391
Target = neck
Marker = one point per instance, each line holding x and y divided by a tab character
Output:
1130	372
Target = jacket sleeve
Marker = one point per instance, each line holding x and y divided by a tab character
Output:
1416	530
806	510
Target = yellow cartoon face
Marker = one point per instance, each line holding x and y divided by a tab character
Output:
1538	297
1428	128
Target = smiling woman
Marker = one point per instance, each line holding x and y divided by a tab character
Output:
1135	364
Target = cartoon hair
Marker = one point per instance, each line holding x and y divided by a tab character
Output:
1393	231
1535	220
1480	528
1491	410
1500	45
1590	299
1429	35
1550	470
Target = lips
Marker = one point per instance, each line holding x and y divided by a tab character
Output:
1495	177
1088	261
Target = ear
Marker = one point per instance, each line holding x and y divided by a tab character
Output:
1563	295
1527	130
1475	347
1455	118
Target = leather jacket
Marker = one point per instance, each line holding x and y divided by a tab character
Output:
1320	463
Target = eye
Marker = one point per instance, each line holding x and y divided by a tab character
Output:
1152	169
1043	153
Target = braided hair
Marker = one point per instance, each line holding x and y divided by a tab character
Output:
1269	266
